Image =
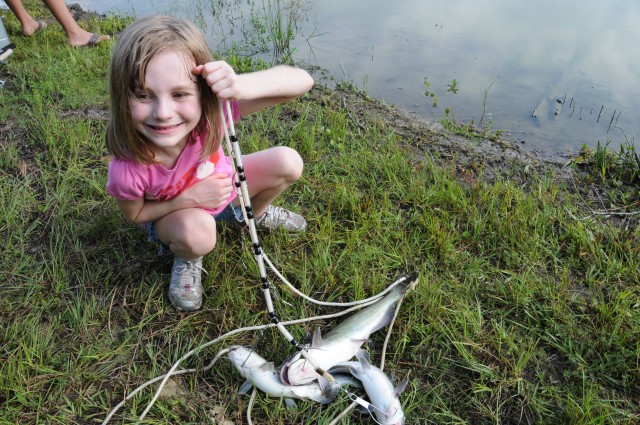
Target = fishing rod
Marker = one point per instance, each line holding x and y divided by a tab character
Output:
240	180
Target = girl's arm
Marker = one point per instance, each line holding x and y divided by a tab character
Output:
211	193
255	91
142	211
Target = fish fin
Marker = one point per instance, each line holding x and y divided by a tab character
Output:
357	372
401	386
413	280
290	403
407	282
245	387
364	359
316	342
268	367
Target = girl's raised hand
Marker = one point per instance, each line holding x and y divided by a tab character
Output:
221	78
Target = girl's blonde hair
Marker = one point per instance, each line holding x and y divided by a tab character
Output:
136	46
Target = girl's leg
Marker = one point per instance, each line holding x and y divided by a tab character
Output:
269	173
190	233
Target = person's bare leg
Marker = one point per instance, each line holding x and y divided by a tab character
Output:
76	35
28	24
269	173
189	233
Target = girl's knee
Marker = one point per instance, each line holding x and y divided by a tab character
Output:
290	163
190	234
201	235
199	240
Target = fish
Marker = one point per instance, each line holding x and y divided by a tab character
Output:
383	396
261	373
343	342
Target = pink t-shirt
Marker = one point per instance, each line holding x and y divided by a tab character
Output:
128	179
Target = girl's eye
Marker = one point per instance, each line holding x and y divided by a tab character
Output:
180	95
142	96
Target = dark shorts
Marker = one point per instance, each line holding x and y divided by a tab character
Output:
231	214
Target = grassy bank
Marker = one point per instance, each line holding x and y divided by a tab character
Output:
527	310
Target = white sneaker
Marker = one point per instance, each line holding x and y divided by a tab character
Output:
185	288
280	218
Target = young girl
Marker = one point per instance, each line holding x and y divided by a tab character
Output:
169	172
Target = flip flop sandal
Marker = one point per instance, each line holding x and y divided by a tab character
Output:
41	25
96	39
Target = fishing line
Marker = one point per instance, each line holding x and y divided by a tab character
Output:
173	370
245	201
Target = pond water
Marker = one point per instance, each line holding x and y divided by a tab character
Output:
552	74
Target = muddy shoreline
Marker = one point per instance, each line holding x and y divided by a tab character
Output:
475	153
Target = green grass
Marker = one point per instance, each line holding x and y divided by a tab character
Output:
523	313
617	168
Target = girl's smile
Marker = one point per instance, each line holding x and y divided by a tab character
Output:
163	129
167	108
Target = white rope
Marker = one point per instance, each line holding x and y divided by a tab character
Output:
324	303
173	370
250	405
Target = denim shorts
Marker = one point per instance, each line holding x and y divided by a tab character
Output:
230	214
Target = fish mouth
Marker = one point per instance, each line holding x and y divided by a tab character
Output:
284	373
284	369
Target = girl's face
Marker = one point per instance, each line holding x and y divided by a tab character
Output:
168	108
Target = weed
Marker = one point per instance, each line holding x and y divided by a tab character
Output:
279	21
429	93
452	87
484	102
611	166
470	130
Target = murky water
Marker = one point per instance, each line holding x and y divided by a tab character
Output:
573	62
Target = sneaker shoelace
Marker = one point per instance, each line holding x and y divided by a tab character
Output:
188	274
275	215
